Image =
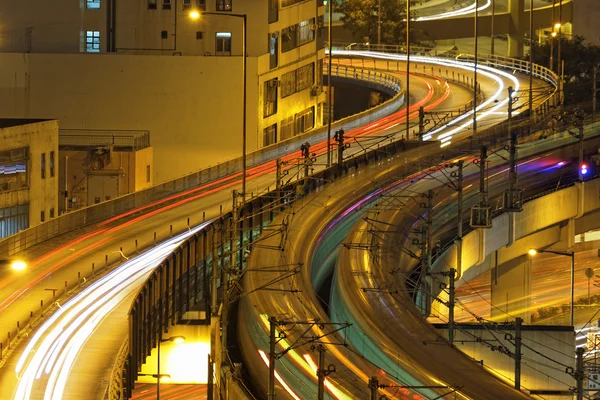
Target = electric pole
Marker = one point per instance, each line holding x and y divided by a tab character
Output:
518	323
339	138
513	197
451	303
421	124
272	343
480	213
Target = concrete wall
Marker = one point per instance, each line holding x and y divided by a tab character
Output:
586	14
191	105
535	369
41	138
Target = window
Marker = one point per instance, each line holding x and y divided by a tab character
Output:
201	4
305	120
52	213
273	11
187	4
147	174
270	135
166	4
51	164
224	5
305	77
288	84
223	46
92	41
270	98
297	35
93	4
14	169
273	49
43	166
42	216
287	128
152	4
297	80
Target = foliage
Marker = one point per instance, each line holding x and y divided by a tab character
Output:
360	17
580	58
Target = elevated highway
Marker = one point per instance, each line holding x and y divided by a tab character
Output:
121	232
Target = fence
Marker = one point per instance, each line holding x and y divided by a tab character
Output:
172	190
132	140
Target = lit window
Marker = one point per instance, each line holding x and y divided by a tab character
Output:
93	4
224	5
223	45
92	41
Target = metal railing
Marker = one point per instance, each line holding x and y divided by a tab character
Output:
167	191
134	140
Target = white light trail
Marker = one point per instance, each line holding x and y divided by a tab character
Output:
455	13
455	126
52	351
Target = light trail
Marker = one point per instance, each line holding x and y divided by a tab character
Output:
455	13
53	349
445	132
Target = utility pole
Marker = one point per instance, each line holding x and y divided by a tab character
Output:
552	37
512	197
278	174
518	323
426	248
329	88
459	197
305	150
531	46
595	92
339	138
407	95
480	213
272	343
451	302
373	386
579	374
492	27
421	124
322	372
578	122
475	71
225	277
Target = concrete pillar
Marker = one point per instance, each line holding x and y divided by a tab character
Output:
518	25
511	290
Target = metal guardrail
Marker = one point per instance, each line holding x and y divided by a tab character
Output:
114	390
95	213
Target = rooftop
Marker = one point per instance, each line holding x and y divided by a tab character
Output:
10	122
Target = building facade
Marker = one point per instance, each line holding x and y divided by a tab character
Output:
28	173
147	65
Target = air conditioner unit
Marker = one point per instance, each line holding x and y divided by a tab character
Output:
315	90
274	83
313	27
275	34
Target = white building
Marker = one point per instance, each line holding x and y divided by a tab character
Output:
146	65
28	173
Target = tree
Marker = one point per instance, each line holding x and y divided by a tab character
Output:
360	17
580	58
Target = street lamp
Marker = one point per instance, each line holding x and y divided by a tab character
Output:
18	265
196	15
533	252
173	339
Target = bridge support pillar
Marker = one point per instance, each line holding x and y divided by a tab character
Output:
511	290
518	25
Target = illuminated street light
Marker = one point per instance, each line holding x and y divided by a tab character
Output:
18	265
196	15
533	252
553	34
557	25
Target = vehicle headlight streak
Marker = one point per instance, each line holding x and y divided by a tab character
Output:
445	135
456	13
53	349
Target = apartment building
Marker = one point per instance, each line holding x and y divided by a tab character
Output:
148	65
28	173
